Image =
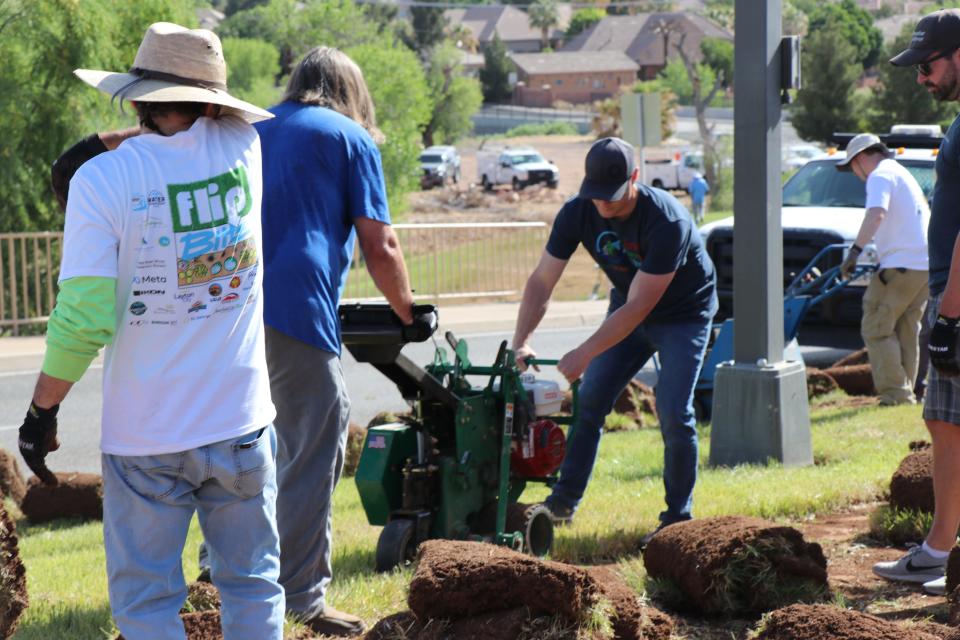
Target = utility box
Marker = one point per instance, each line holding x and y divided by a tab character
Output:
760	413
640	118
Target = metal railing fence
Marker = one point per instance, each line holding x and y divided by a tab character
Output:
444	260
459	260
29	265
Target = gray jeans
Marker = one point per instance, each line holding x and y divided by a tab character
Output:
312	415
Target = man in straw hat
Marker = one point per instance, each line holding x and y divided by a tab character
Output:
896	219
935	53
161	262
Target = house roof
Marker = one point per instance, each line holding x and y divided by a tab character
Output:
573	62
640	36
510	23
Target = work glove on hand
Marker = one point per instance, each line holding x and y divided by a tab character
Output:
849	264
423	326
38	437
943	345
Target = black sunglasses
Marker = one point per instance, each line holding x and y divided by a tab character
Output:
924	67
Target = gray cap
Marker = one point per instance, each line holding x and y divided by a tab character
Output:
860	143
936	32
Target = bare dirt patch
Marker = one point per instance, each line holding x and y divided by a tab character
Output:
77	495
13	577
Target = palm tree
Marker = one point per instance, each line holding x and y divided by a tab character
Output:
543	15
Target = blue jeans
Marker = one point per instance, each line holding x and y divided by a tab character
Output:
148	502
681	347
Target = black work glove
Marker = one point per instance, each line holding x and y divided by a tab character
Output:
943	345
423	326
849	264
38	437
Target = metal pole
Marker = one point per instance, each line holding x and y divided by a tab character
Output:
760	409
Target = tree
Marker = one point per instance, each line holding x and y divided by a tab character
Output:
495	75
455	97
583	19
899	99
252	70
856	26
543	15
428	24
825	103
399	90
43	107
718	55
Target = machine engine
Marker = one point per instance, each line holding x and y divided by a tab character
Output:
538	452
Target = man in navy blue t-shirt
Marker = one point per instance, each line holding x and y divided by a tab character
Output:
663	300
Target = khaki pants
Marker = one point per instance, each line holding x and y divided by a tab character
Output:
892	309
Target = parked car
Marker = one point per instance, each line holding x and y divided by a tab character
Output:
439	165
516	166
674	173
823	206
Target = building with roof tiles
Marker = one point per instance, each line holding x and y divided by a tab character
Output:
511	24
575	77
649	39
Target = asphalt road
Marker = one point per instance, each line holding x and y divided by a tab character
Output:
370	392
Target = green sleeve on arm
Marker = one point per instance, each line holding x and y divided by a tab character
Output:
82	322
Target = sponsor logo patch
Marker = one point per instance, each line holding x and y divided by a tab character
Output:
138	308
215	290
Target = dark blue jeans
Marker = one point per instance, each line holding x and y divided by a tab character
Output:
681	347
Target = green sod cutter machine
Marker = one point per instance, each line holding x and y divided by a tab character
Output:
477	435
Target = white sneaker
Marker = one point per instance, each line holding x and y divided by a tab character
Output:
916	566
936	587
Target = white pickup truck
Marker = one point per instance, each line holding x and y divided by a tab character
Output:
516	166
674	173
823	206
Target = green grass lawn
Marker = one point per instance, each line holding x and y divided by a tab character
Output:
856	451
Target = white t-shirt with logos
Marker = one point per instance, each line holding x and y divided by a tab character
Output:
902	237
176	220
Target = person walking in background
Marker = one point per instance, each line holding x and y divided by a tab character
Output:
935	53
896	219
323	186
156	232
699	188
663	300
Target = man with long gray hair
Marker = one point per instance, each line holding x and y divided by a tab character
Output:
323	186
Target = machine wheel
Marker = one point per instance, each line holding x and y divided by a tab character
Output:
487	186
456	175
658	183
516	185
396	545
536	525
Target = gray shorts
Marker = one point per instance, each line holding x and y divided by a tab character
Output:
942	399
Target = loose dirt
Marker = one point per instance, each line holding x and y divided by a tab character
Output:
855	380
826	622
911	486
13	577
715	563
11	480
78	495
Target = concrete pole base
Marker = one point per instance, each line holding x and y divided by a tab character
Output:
760	413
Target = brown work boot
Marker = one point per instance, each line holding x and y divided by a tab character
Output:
336	623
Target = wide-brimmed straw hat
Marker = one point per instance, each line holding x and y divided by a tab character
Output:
175	64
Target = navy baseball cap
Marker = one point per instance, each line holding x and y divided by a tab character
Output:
609	166
936	32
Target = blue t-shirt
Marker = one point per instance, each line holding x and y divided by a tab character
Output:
945	209
320	171
659	237
699	189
